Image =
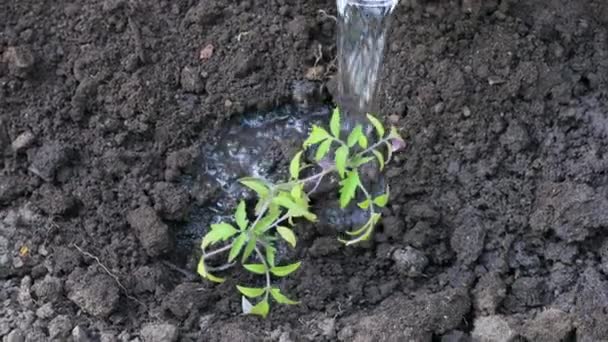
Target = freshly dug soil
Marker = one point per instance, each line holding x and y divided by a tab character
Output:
496	229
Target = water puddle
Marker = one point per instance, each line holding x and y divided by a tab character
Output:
258	144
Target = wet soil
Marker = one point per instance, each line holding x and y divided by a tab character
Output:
496	230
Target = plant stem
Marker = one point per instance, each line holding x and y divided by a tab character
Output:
217	251
261	256
373	147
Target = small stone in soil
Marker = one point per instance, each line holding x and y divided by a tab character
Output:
23	141
159	332
151	231
410	262
48	160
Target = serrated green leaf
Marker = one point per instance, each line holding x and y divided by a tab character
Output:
287	235
256	184
363	141
265	222
294	166
323	149
354	136
348	188
341	158
255	268
334	123
261	309
377	125
219	232
317	134
380	158
294	209
248	249
364	204
280	298
270	255
251	292
282	271
240	216
381	200
237	246
202	271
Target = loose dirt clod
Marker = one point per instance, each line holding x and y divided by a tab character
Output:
151	231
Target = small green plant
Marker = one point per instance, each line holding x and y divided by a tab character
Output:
253	242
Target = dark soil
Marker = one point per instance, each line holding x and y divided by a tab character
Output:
496	229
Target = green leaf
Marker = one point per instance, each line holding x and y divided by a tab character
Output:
282	271
349	188
295	209
294	166
270	255
334	123
341	157
323	149
364	204
237	246
317	134
256	184
288	235
202	270
381	200
261	309
363	141
380	158
358	161
241	216
251	292
255	268
249	249
263	224
297	191
219	232
280	298
377	125
394	134
354	136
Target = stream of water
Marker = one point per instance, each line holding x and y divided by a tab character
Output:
362	29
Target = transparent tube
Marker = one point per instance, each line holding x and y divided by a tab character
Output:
362	28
